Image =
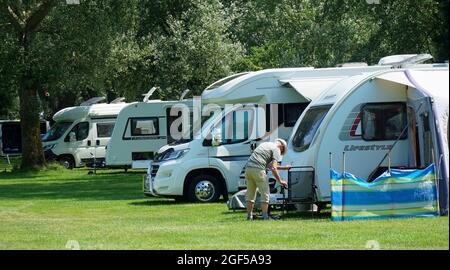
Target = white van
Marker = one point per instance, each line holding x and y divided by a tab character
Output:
141	129
11	136
208	167
355	124
80	134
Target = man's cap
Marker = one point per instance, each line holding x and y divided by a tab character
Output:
283	142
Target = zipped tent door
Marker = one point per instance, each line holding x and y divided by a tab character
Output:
428	146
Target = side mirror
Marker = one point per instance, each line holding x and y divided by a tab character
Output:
216	137
216	140
72	137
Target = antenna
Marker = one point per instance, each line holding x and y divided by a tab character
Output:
118	100
185	92
149	94
93	101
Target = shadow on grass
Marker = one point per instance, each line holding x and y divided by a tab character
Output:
323	215
78	187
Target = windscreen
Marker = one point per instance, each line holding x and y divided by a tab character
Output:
56	131
308	127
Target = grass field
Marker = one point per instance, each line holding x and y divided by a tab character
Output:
108	211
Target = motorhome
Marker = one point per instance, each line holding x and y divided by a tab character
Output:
81	133
141	129
368	123
209	166
11	137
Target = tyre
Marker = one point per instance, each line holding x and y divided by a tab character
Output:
204	189
67	162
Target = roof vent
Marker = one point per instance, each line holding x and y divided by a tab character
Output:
402	60
352	64
93	101
118	100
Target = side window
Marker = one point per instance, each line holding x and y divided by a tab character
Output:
144	126
383	121
292	112
81	131
104	130
236	127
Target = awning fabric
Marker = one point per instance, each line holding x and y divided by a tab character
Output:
396	77
311	88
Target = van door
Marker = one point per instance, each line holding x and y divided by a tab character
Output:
78	143
235	132
102	134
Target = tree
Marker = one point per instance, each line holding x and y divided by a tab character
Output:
25	18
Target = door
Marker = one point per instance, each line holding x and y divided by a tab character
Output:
426	131
235	133
102	133
79	142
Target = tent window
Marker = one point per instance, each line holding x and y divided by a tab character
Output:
383	121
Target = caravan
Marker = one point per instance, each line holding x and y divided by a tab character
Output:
370	122
141	129
80	134
11	137
209	166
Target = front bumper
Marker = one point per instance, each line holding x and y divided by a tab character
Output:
164	179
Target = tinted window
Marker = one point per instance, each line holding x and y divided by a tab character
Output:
56	131
144	126
383	121
292	112
81	131
104	130
308	127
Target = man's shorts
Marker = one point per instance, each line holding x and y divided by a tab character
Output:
257	178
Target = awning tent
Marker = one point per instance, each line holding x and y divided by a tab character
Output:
311	88
432	85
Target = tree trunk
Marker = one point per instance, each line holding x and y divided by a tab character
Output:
32	152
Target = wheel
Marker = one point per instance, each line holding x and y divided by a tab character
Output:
204	188
67	162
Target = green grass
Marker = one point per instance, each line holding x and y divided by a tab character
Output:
108	211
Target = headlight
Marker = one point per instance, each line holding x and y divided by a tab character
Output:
49	147
175	154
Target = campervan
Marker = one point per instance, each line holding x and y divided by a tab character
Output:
141	129
11	137
267	104
80	134
368	123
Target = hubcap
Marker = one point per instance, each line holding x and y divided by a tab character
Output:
204	190
65	163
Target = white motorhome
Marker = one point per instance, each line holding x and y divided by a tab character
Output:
208	166
80	134
11	137
367	123
141	129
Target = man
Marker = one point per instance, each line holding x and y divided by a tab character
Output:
266	155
